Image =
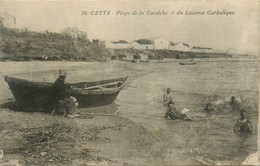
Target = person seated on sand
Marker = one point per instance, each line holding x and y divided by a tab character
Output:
59	95
234	103
174	114
167	97
243	124
208	108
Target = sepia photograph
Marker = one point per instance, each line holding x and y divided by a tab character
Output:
120	82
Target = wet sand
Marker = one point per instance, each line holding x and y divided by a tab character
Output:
118	141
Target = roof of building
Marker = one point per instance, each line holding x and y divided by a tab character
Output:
144	41
175	44
120	42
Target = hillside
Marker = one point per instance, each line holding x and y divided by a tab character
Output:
47	46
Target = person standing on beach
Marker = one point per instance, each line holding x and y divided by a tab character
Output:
167	97
59	95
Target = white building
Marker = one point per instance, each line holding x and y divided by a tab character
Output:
74	32
141	46
155	44
161	44
151	44
180	47
7	20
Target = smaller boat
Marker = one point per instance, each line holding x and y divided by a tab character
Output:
187	63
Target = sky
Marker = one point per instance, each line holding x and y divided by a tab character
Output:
239	31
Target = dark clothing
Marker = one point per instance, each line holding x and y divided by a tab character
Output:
235	105
173	114
59	94
208	109
59	89
243	126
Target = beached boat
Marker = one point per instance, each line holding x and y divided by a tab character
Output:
36	95
187	63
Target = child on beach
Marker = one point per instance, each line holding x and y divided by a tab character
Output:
167	97
243	124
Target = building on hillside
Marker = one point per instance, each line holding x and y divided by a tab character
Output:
161	44
148	44
151	44
142	44
74	32
136	45
180	47
7	20
121	44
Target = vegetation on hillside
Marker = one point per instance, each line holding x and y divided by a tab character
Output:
47	46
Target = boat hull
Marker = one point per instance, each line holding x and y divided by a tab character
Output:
187	63
37	95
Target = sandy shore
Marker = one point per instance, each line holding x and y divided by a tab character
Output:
89	140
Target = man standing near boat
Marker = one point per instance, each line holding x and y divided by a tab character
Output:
61	97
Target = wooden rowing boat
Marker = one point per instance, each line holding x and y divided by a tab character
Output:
32	95
187	63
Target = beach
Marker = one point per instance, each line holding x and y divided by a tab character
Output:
135	132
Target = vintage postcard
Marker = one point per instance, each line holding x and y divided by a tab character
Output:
120	82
